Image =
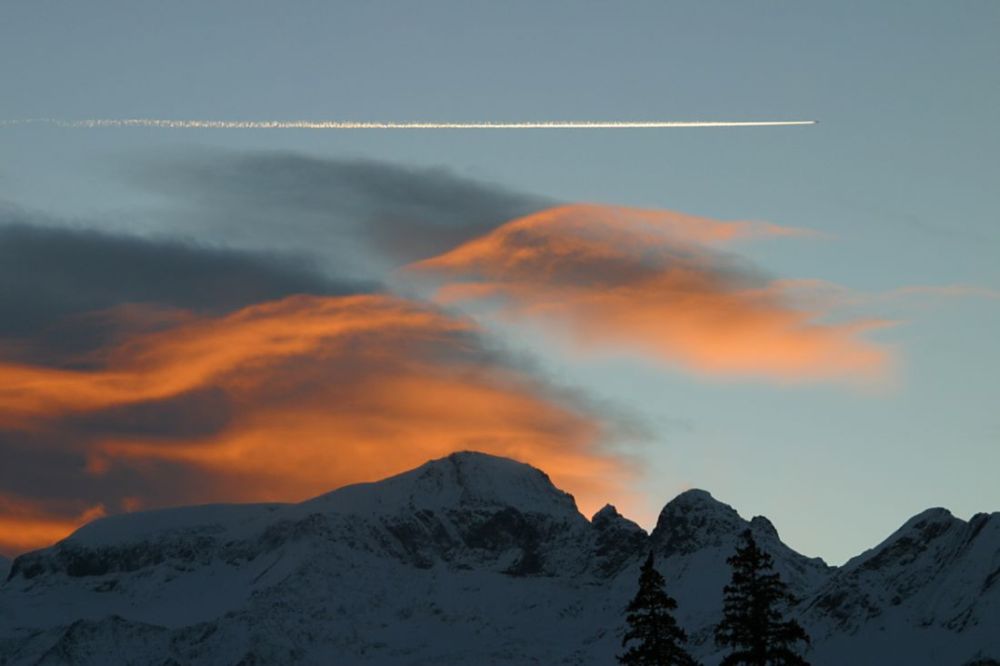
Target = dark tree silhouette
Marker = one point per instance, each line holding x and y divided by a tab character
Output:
655	637
752	624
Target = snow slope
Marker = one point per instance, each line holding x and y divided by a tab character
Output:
469	559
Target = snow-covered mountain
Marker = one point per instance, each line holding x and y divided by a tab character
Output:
470	559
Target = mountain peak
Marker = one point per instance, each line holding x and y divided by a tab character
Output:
467	478
761	525
935	515
917	535
696	500
609	518
692	520
619	540
607	513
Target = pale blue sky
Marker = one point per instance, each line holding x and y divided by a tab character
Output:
900	176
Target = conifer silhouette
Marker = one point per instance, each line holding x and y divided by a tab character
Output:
655	637
752	624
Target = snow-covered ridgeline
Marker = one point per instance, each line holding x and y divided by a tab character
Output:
470	558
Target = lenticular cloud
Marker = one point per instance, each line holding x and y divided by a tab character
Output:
656	282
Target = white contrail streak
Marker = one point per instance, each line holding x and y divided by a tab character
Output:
354	125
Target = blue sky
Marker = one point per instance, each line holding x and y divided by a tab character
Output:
899	179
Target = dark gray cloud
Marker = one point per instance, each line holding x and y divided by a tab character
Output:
55	280
332	206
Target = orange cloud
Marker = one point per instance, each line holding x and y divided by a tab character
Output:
25	524
167	363
318	392
611	278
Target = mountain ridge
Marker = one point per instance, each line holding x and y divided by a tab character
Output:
476	546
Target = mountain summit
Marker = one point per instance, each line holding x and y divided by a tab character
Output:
694	520
464	479
471	559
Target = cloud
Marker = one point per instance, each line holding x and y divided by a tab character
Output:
286	399
658	283
333	207
55	277
140	372
25	523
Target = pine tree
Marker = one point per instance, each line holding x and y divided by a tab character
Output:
752	623
656	638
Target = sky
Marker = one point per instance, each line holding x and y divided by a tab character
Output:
801	320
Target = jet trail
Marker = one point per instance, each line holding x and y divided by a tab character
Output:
353	125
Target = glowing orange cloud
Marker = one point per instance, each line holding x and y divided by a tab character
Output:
25	524
321	392
164	364
389	422
617	279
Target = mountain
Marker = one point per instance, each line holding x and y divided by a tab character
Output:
937	576
470	559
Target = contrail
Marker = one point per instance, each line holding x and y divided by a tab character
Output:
360	125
